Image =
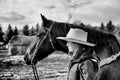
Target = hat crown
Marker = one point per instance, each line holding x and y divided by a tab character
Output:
77	34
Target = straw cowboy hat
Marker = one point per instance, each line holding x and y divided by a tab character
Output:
77	36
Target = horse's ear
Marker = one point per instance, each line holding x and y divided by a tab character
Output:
43	18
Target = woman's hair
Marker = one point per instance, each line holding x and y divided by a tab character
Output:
84	50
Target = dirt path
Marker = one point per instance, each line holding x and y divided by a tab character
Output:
54	67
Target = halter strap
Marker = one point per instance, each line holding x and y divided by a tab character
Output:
50	39
40	43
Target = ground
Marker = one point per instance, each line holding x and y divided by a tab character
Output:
54	67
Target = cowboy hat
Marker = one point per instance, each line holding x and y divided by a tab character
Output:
77	36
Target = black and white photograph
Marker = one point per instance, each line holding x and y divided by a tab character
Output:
59	39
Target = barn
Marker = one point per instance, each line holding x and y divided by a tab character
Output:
19	44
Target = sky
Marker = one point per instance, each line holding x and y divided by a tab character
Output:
21	12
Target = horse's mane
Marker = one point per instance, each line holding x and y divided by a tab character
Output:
101	39
61	29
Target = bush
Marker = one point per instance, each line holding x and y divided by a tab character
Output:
14	51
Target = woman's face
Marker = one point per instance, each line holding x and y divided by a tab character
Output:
72	46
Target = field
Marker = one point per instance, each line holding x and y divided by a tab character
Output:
54	67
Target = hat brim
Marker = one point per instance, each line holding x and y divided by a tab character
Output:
76	41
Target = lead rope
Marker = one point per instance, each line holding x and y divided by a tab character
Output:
35	72
40	43
33	66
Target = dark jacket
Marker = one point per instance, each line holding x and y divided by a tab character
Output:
82	66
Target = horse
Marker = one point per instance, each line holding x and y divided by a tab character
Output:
107	47
107	50
50	44
47	43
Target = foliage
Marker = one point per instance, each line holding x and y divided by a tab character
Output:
14	50
37	27
1	34
8	34
110	27
26	30
32	31
82	25
16	31
102	27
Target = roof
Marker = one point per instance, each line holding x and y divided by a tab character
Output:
20	40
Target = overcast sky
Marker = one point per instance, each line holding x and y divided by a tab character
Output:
21	12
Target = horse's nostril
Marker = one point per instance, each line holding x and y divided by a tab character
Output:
28	62
24	58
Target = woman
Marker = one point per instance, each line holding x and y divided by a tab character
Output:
83	64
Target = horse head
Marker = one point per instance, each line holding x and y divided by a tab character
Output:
46	41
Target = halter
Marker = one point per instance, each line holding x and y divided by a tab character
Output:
49	35
40	43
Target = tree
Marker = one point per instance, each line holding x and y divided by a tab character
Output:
102	27
82	24
110	26
1	34
26	30
16	31
8	34
37	28
32	32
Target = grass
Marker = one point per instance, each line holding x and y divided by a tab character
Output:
54	67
